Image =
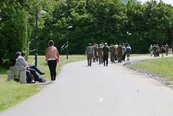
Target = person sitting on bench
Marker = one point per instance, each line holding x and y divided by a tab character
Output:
20	61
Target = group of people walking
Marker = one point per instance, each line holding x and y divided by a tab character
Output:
155	50
101	53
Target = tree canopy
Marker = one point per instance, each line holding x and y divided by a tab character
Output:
94	21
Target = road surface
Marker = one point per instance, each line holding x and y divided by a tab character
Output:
98	91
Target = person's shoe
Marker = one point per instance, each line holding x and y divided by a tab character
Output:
42	73
32	81
42	80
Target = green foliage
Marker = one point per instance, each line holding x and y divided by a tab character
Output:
94	21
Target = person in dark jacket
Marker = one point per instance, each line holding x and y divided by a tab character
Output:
105	54
89	52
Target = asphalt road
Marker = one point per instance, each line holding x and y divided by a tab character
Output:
98	91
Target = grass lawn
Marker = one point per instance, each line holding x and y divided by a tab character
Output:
161	66
12	92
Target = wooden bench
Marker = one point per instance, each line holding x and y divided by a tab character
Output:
17	73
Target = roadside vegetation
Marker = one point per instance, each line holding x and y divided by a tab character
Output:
161	66
92	21
12	92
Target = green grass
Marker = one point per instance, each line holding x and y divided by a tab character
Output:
42	64
12	92
3	70
132	55
161	66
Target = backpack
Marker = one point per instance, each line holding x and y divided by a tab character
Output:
89	50
128	50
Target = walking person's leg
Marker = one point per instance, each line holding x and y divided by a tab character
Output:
54	69
51	68
88	60
128	55
106	60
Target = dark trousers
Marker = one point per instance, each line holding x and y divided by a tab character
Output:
100	59
35	68
119	59
52	67
124	57
105	60
35	74
28	76
89	59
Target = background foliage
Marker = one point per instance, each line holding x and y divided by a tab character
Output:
94	21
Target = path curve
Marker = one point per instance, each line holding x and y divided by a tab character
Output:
98	91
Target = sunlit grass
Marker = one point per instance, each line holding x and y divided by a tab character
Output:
161	66
12	92
132	55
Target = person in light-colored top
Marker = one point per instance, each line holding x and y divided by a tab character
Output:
52	57
20	61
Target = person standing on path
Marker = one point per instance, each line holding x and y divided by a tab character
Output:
105	54
100	54
89	52
52	57
166	49
151	50
119	53
112	53
128	51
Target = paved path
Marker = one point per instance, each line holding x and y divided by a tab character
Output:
98	91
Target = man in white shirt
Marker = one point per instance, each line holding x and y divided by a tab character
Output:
20	61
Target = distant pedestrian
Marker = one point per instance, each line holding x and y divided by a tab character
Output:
151	50
119	53
52	57
162	50
155	50
105	54
124	52
128	51
112	53
89	52
100	54
166	49
158	50
95	52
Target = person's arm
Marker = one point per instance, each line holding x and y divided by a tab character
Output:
23	62
86	51
46	54
57	54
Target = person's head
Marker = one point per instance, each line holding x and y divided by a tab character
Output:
23	54
18	54
105	44
50	43
89	44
